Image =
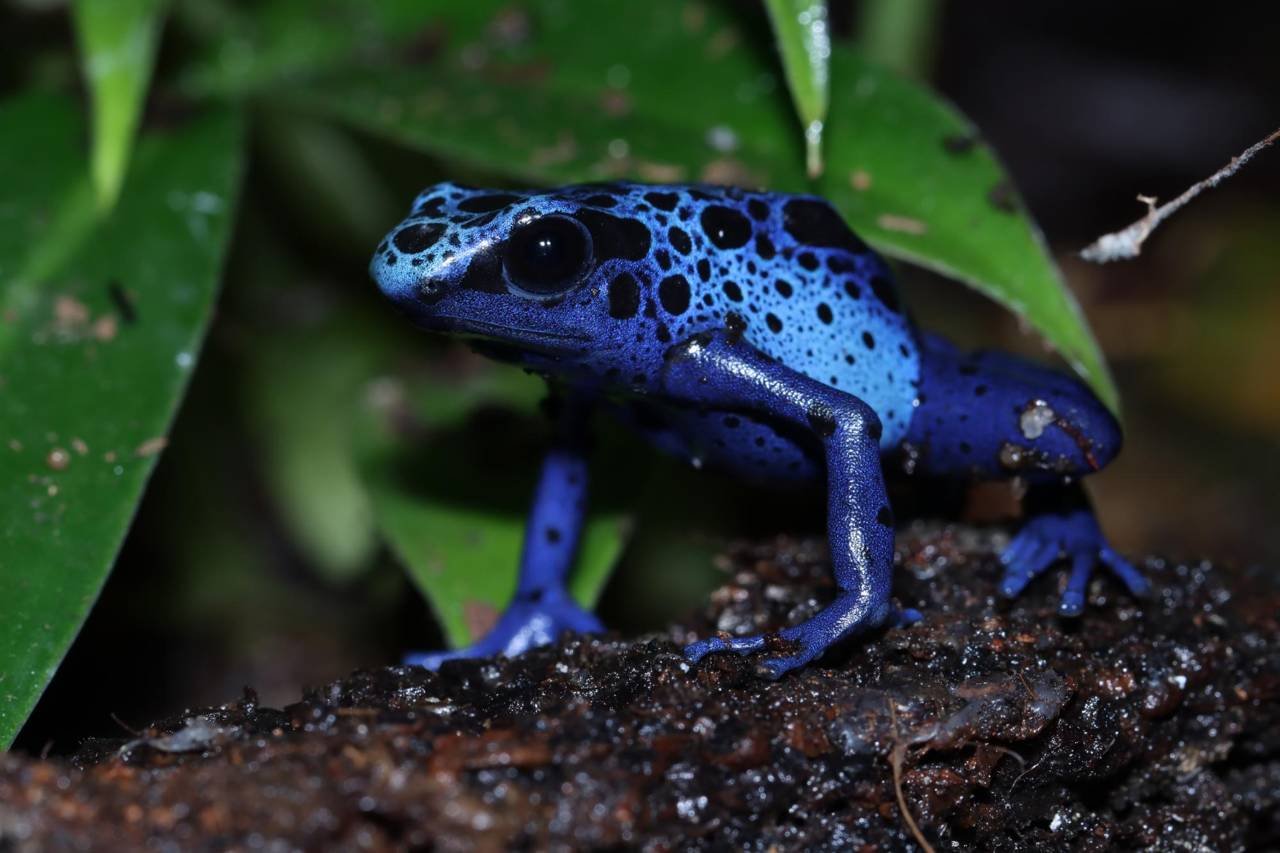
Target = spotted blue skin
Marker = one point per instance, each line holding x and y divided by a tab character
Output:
755	333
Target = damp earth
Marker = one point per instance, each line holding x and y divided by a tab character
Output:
1152	724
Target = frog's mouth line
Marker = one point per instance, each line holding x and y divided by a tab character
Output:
515	335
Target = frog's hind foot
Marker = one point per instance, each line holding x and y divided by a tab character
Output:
844	617
1073	536
526	624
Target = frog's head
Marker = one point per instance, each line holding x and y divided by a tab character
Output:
523	270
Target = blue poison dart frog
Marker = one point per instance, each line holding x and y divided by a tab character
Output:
756	333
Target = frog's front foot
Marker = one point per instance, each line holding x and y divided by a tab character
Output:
527	623
1073	536
844	617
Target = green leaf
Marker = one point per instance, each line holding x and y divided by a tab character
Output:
805	44
96	348
241	48
899	34
558	106
451	490
117	46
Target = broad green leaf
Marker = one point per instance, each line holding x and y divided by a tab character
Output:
805	45
240	48
117	46
668	91
96	348
451	492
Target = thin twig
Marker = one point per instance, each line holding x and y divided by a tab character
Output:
1127	243
896	756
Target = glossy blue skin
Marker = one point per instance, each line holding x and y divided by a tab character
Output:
755	333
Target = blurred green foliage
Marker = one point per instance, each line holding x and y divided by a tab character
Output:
111	256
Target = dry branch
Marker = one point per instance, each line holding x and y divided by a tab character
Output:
1127	243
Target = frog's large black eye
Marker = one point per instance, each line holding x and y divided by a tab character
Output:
548	255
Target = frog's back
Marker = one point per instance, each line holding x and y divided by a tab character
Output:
789	274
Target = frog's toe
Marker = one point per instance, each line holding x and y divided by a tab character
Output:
696	651
432	660
1128	574
901	617
1027	556
525	625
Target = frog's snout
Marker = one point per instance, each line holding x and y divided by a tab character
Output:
403	272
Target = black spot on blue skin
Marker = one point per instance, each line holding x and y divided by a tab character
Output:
487	203
732	421
433	207
553	535
808	261
966	447
852	289
699	195
732	291
784	288
391	259
771	320
822	421
662	333
758	209
484	274
601	200
840	264
650	309
875	430
663	201
816	223
735	324
980	391
624	297
673	292
725	227
765	248
868	341
883	289
679	240
663	257
884	517
615	237
704	269
412	239
824	313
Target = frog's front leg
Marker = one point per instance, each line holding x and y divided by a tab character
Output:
542	608
1061	526
717	371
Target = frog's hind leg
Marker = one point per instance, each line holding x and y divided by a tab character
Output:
727	374
992	415
542	608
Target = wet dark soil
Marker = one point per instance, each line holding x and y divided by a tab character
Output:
988	725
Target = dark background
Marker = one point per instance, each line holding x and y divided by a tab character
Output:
1089	104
